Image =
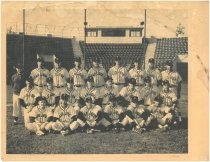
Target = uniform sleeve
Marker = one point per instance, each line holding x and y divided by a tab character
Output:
21	96
97	93
173	97
104	73
33	74
33	112
71	73
123	92
47	73
179	79
90	72
51	73
49	112
130	72
84	74
110	72
106	109
158	74
56	113
127	75
66	74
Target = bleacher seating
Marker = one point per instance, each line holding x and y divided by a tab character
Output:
38	45
169	48
106	53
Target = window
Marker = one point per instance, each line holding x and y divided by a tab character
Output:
135	33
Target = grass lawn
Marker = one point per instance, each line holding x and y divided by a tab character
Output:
174	141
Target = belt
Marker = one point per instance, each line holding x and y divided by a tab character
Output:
78	85
98	86
119	83
59	86
139	84
39	85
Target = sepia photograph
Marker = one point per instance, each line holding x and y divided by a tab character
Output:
96	80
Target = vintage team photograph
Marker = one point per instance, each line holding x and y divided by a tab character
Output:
96	81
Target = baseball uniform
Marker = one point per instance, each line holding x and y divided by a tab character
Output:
79	75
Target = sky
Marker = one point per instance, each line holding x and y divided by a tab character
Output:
66	19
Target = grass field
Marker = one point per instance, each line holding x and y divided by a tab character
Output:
174	141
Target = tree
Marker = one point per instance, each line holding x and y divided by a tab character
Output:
179	30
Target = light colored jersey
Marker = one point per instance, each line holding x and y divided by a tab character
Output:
137	110
64	114
73	95
148	94
40	76
118	74
91	113
168	98
113	111
59	76
98	74
92	92
41	115
154	74
106	92
79	76
50	95
29	95
127	93
138	74
173	77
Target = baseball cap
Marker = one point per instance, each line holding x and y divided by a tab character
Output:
147	79
96	59
132	81
90	79
151	60
169	63
165	82
29	79
117	58
88	100
77	59
134	99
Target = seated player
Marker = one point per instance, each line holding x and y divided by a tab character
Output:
50	93
93	118
28	97
98	73
41	117
70	91
169	101
130	90
107	91
63	114
89	90
162	115
138	73
140	115
118	73
149	92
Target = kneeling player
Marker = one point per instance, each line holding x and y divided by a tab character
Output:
93	118
162	114
41	117
63	113
142	117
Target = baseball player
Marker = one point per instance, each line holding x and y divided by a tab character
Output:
169	101
93	116
153	73
17	82
140	115
137	73
89	90
173	77
63	121
40	75
41	117
107	91
161	115
59	75
71	92
49	93
149	92
130	90
118	73
98	73
27	98
78	74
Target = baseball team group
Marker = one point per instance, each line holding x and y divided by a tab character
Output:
120	99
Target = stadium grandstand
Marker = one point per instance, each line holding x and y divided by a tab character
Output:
104	42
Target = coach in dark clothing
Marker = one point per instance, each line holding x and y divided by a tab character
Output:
18	82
